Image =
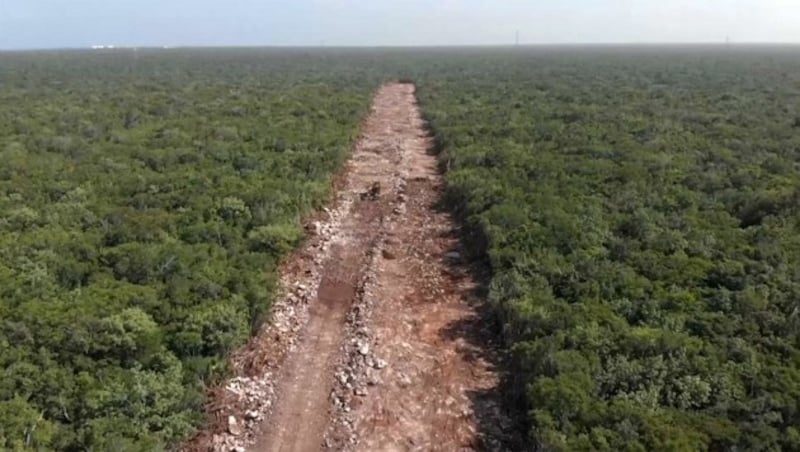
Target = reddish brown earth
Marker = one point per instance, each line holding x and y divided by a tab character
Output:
376	343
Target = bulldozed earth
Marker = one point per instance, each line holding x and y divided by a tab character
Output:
377	340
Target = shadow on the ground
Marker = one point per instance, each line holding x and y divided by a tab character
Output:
499	420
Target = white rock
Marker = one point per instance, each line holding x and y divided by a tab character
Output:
218	440
363	349
234	428
373	378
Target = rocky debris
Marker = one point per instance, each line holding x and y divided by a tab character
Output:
401	183
257	392
314	228
234	427
373	377
359	367
217	442
247	399
221	443
256	395
404	380
373	193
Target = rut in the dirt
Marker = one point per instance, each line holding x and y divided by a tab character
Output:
376	343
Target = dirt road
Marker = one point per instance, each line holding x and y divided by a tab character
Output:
302	412
377	344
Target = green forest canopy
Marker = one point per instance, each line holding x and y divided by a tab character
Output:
638	209
145	201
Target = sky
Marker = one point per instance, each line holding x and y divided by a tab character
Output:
31	24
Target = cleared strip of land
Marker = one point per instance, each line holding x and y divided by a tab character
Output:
377	343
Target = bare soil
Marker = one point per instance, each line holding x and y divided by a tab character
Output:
377	341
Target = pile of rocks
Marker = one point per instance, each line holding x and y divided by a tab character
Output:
257	395
360	368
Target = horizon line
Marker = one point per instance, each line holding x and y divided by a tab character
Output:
101	47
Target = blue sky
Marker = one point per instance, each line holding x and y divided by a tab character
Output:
82	23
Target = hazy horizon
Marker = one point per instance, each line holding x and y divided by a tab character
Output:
54	24
576	45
